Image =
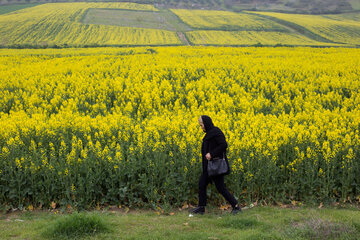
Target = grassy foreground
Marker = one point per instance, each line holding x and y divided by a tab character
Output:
255	223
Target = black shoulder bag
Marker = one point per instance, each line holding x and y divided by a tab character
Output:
217	166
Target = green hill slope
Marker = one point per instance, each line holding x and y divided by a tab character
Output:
130	24
60	24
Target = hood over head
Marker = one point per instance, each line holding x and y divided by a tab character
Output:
207	123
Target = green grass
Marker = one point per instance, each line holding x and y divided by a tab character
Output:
127	18
163	19
174	20
255	223
355	4
11	8
76	225
355	16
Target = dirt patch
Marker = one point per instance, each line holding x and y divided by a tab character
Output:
183	38
317	228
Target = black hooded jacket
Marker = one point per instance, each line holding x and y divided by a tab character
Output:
213	142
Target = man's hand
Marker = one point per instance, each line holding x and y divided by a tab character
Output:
208	156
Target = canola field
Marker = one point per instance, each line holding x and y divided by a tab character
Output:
60	24
244	38
224	20
84	24
91	127
337	28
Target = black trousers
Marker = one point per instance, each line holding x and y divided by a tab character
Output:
220	186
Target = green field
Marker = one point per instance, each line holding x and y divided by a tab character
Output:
11	8
345	17
355	4
124	18
256	223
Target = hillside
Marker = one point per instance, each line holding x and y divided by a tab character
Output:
57	24
343	28
84	24
293	6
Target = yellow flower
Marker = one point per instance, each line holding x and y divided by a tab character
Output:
18	162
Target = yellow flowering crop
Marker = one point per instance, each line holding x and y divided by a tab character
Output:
205	19
217	37
337	28
120	126
60	23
